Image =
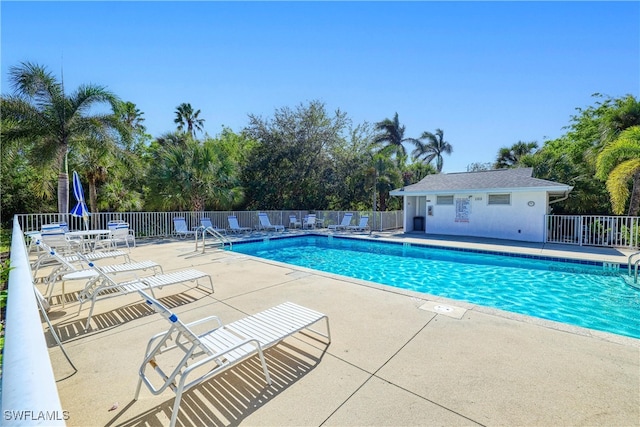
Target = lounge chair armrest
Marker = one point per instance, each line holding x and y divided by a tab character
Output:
189	325
205	320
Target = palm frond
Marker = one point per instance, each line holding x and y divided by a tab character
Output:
618	183
626	146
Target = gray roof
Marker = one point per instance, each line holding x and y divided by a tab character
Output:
502	179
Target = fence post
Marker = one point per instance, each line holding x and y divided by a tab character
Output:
580	230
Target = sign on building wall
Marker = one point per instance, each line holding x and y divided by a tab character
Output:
463	210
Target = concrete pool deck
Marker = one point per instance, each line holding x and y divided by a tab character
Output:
396	357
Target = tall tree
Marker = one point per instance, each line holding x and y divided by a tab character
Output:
54	123
187	117
385	175
511	157
94	160
193	176
22	189
290	166
433	149
131	115
172	138
390	137
132	119
479	166
416	171
350	160
118	198
571	159
619	163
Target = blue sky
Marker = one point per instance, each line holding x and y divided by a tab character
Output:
488	73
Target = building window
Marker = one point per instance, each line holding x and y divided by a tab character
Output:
444	200
500	199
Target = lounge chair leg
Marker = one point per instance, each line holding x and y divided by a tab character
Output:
264	364
138	388
62	296
176	407
93	304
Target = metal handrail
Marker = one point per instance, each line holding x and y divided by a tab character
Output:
630	260
215	233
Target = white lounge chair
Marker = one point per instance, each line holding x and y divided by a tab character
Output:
219	348
207	224
362	225
94	256
309	221
103	286
346	221
181	229
66	270
265	223
294	222
235	227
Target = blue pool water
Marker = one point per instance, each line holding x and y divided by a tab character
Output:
577	294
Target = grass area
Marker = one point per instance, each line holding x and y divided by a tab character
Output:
5	241
5	244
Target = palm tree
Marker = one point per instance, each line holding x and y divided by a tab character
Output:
177	139
511	157
391	136
41	114
94	161
185	116
118	198
194	176
618	163
131	115
434	148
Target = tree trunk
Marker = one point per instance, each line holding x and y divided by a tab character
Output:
197	204
63	193
634	203
93	201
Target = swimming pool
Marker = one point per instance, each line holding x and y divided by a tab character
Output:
568	292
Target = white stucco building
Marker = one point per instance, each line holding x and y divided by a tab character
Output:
503	204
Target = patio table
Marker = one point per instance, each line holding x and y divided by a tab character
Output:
88	237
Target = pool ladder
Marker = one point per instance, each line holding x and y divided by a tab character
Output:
219	240
633	266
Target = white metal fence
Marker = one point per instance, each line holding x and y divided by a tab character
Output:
594	230
160	224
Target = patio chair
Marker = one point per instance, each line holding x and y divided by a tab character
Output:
346	221
235	227
55	236
181	229
265	223
119	232
294	222
32	237
362	225
309	221
103	286
207	224
217	349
